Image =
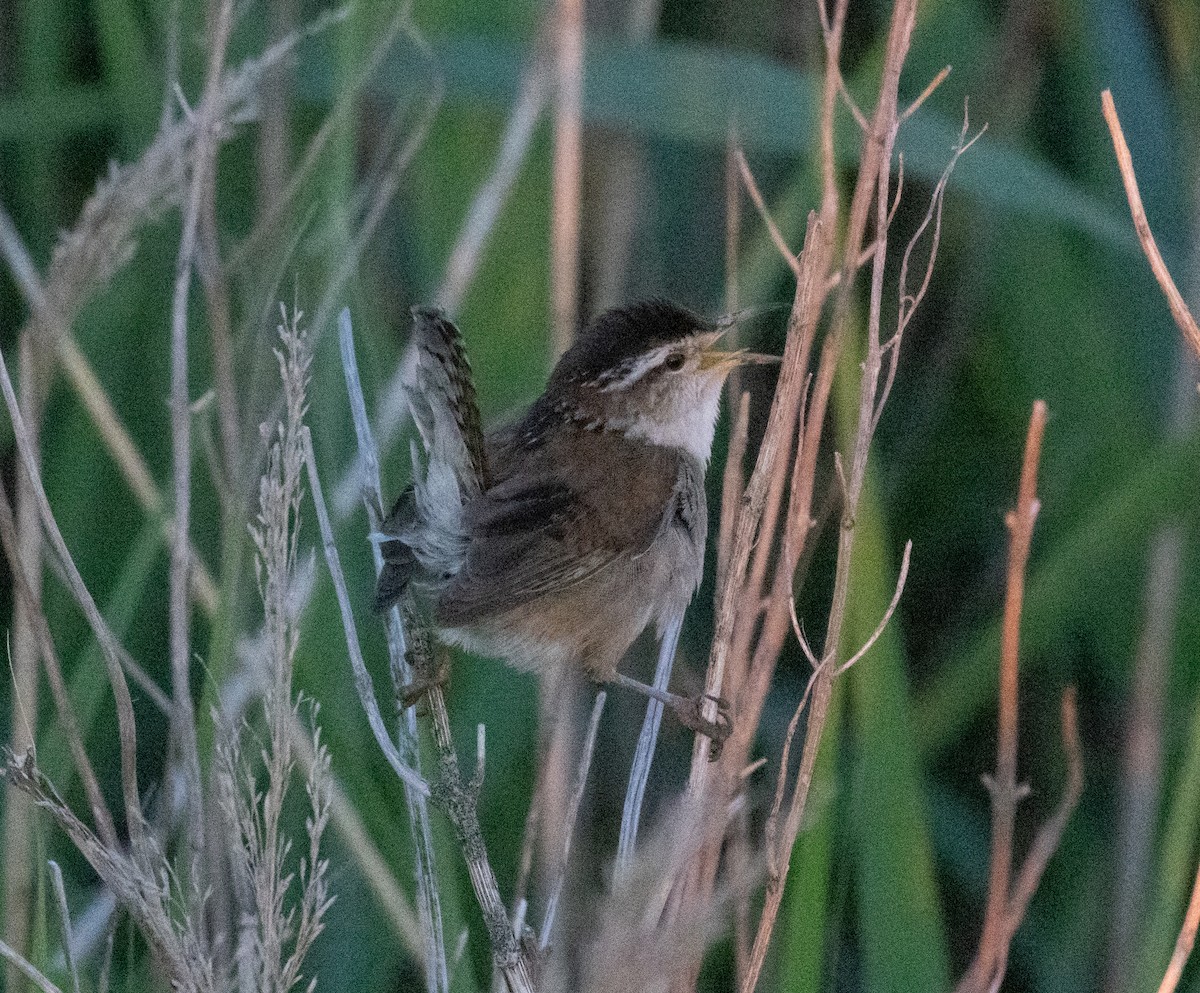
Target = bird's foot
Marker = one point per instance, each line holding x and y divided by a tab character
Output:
690	711
412	693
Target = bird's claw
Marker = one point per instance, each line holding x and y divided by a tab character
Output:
411	693
716	731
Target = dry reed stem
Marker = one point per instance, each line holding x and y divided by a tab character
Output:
362	678
511	954
23	655
643	756
27	969
732	486
1046	841
458	798
572	813
115	657
1191	334
203	162
566	172
1009	895
1179	309
101	815
1003	787
433	954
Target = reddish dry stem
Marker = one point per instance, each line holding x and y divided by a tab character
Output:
1179	309
761	206
1008	900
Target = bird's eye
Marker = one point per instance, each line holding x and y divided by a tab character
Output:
675	361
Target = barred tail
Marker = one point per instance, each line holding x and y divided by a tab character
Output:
426	524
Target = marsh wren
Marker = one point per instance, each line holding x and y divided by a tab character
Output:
553	542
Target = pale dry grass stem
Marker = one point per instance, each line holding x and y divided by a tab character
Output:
277	928
170	913
513	954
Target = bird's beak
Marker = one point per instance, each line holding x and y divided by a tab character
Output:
713	358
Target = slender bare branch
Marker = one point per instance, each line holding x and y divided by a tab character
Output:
1008	900
760	205
362	678
27	969
925	94
887	614
1179	309
428	892
585	764
115	657
643	756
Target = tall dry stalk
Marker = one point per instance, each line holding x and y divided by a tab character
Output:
171	908
276	927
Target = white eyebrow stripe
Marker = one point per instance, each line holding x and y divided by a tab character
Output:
649	361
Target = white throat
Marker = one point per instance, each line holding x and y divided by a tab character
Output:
686	418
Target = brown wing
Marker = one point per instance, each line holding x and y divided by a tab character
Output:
546	527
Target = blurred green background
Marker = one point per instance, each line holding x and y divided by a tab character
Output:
1040	291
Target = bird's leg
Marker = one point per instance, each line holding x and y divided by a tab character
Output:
422	682
689	710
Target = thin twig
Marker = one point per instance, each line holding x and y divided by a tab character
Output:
1004	788
1179	309
887	614
115	657
925	94
572	813
909	302
428	891
998	926
643	756
1045	842
64	917
760	205
183	719
27	969
362	678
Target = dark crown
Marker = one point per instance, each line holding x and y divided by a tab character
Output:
624	333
